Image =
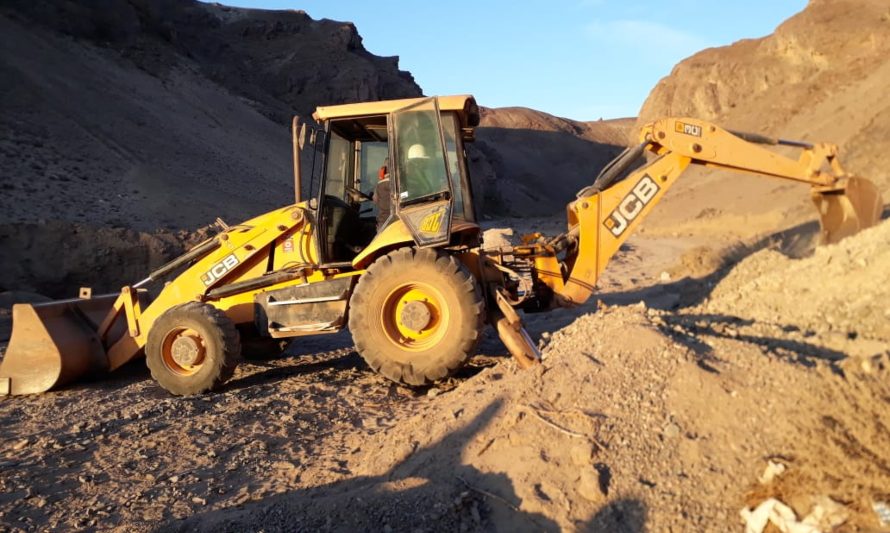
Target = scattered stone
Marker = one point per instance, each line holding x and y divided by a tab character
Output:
671	431
589	486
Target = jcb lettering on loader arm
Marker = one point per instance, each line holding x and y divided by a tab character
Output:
220	269
416	287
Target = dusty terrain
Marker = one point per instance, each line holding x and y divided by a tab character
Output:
650	416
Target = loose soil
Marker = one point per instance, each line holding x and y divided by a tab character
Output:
651	416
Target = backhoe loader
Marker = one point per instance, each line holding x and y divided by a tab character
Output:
415	292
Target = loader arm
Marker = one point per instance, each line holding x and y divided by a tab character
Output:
606	213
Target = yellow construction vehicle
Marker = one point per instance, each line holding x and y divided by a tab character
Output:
415	290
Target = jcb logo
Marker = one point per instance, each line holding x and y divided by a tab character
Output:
687	129
219	270
631	206
432	222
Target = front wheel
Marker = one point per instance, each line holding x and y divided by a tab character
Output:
192	348
416	315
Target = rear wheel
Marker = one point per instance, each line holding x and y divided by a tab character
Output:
416	315
192	348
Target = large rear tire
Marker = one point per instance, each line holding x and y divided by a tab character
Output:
416	316
192	348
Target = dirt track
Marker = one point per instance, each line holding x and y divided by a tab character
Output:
640	419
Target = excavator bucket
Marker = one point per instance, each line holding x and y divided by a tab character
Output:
846	210
53	344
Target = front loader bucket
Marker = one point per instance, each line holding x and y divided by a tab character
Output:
848	209
53	344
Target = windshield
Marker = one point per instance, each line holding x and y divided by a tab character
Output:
421	163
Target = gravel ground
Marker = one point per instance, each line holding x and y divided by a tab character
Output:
652	416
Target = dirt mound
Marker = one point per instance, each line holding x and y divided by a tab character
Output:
55	258
647	419
518	151
835	295
822	76
628	425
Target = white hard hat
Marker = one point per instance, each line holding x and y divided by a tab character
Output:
417	151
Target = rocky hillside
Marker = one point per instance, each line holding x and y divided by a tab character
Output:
148	113
281	61
532	163
823	76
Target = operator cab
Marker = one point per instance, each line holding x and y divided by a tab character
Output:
421	147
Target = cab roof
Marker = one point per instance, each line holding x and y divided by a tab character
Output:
463	104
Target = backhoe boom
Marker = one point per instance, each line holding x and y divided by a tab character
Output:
607	212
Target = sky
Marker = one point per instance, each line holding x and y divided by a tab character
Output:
581	59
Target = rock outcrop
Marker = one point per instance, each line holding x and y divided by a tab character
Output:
822	76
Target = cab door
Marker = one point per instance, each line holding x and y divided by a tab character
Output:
423	195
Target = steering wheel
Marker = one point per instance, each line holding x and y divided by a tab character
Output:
358	195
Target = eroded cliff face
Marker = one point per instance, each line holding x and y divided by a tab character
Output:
165	113
824	75
284	61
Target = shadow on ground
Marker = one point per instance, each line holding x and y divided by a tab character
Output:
429	490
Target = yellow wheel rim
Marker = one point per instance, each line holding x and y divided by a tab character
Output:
415	316
183	351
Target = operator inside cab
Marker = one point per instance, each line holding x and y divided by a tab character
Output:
417	166
382	195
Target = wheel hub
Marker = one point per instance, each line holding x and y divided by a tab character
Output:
186	351
416	315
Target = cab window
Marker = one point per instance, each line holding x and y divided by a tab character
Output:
339	166
452	152
422	168
373	156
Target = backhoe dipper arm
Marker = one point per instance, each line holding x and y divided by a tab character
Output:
606	213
